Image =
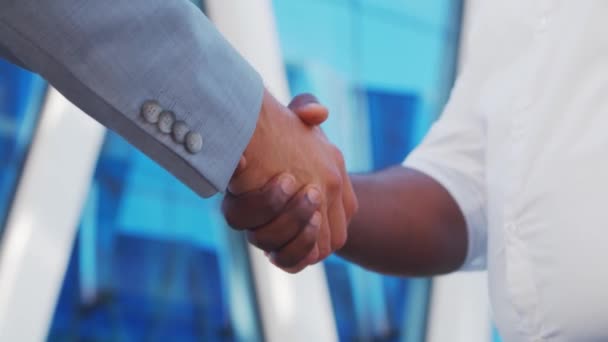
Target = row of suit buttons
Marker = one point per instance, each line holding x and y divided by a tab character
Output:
166	122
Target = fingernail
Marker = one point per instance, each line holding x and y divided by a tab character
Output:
288	184
314	105
315	221
242	163
314	196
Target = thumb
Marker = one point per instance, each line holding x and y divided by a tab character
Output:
309	110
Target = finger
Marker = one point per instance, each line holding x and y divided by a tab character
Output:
324	240
338	227
313	116
240	167
286	227
303	100
349	198
309	110
297	251
312	257
261	206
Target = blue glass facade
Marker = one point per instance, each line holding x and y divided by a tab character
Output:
21	97
153	261
384	68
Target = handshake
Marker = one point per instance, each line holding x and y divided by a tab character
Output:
291	193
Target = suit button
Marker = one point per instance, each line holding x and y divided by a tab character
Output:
180	130
194	142
150	111
165	121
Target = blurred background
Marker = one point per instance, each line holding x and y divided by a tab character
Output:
97	243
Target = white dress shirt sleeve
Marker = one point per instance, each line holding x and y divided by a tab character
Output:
453	154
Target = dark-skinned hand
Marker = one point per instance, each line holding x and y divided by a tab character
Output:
279	218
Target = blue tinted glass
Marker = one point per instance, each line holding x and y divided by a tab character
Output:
21	96
392	120
152	261
496	335
384	69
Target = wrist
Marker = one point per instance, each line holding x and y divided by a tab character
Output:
254	166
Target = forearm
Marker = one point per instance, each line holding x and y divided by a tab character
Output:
407	224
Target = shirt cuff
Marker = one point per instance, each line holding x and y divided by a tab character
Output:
468	200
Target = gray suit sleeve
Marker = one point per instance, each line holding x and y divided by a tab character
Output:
6	54
111	57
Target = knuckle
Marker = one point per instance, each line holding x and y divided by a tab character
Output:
287	261
338	239
339	157
226	208
339	242
261	241
309	238
352	208
275	201
240	213
290	259
334	181
302	212
324	249
324	252
296	254
231	220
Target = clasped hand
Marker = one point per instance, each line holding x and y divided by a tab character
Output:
291	193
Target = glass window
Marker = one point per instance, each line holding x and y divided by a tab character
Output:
21	97
153	261
384	68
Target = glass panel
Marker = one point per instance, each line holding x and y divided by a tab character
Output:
384	68
21	96
153	261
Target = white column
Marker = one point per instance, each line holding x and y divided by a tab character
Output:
459	309
251	27
293	308
42	224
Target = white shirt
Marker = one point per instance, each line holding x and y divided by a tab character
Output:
523	148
